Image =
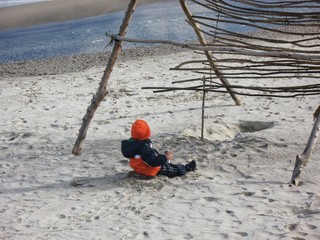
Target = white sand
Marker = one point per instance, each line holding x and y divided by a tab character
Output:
240	190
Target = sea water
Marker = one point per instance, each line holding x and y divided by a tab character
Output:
164	21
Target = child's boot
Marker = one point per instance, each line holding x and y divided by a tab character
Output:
191	166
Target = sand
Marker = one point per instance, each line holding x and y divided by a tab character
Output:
58	11
240	190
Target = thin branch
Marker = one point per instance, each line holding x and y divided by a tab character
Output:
167	89
218	49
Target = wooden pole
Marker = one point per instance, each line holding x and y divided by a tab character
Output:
302	160
102	90
203	41
203	106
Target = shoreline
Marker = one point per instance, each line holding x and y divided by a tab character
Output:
76	63
80	62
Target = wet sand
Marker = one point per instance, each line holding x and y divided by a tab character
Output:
58	11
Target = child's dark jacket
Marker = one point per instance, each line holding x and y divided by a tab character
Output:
131	148
143	158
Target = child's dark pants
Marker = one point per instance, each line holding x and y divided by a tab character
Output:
172	170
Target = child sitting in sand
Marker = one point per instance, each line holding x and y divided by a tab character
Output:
146	160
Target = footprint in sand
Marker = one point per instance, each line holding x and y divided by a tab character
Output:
124	162
254	126
311	227
305	227
242	234
248	194
61	216
211	199
228	168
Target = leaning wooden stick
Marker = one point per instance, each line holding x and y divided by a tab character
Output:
203	42
102	90
302	160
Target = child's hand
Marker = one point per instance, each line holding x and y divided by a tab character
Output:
169	155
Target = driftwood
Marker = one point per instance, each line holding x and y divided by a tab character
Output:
302	159
289	54
277	92
295	65
209	57
203	106
282	42
102	90
278	53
